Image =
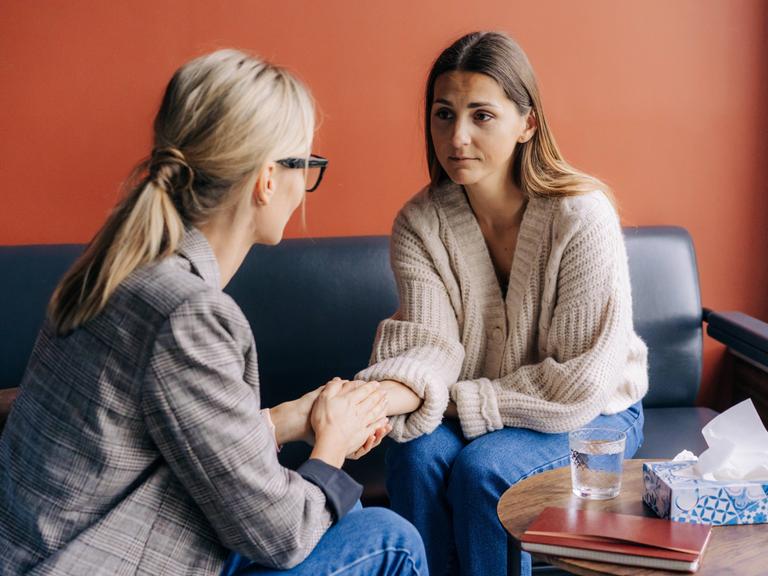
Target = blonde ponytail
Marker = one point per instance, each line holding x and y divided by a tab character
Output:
223	116
142	228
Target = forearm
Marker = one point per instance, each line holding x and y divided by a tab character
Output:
291	423
400	398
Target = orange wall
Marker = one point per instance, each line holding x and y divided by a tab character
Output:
664	100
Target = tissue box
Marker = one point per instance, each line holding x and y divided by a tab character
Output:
684	499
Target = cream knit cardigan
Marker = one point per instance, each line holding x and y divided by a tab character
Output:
559	350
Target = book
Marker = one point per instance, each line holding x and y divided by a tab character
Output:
617	538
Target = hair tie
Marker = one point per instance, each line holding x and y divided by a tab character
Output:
169	166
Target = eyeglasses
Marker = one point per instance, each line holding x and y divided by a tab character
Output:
315	168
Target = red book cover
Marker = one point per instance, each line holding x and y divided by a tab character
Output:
618	538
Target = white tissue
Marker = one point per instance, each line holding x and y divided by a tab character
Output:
738	446
685	455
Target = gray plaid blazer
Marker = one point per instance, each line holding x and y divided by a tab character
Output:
137	445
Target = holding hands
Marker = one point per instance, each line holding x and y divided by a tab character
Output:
349	419
342	419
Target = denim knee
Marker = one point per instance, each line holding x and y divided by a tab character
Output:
396	535
635	435
366	541
476	470
631	422
393	527
426	455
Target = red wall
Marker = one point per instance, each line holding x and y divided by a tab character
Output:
664	100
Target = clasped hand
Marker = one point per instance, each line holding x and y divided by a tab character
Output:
342	419
350	414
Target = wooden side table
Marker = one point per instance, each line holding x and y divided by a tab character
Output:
736	550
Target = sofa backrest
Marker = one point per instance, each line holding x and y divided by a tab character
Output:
28	276
314	306
667	311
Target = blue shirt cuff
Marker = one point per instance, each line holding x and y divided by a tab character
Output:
340	490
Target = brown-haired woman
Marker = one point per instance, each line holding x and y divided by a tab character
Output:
137	445
515	318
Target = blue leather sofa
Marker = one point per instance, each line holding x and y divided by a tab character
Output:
314	306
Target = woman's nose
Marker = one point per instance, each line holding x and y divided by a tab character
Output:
460	136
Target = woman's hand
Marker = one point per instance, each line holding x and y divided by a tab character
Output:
372	442
345	416
291	419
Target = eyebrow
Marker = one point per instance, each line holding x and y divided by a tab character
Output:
470	105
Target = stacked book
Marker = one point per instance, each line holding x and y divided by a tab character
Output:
617	538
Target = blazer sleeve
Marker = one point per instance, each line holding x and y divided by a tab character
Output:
590	342
419	346
200	403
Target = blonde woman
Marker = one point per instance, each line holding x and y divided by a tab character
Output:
515	318
138	444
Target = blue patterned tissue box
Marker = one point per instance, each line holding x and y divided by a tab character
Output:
672	495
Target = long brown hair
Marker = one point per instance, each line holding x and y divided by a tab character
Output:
223	116
539	168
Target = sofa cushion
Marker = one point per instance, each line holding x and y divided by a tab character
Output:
669	431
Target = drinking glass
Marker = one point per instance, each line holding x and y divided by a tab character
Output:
597	455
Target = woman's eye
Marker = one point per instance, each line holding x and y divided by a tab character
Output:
483	116
443	114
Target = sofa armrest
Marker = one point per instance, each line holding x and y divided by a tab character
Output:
744	335
745	369
7	397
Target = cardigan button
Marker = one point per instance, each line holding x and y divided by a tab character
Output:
497	335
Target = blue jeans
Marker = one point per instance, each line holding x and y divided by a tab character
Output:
366	542
449	487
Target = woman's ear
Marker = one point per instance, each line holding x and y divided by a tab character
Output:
264	189
531	124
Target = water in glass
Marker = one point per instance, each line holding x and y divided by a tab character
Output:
596	460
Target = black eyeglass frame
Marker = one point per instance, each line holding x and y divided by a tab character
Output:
313	161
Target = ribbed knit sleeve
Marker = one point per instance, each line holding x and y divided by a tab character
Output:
589	343
419	346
